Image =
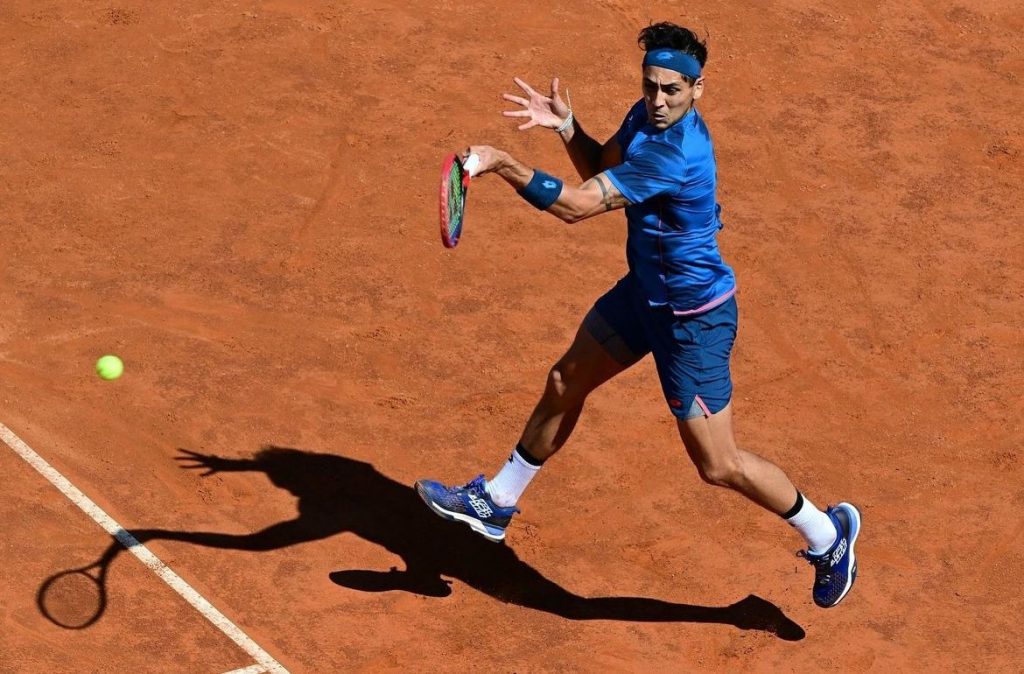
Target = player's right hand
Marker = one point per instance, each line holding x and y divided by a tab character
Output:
489	158
547	111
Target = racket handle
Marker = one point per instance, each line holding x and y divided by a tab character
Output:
471	165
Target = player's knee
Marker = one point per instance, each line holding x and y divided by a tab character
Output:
564	387
721	472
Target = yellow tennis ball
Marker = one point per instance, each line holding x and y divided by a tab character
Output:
109	367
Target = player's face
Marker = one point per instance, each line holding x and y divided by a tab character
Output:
668	96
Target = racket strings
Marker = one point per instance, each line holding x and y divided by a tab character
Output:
456	199
454	182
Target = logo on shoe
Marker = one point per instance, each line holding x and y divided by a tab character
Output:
480	506
838	553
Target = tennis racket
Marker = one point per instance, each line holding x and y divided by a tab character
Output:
455	176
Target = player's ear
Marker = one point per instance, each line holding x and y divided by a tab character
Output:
698	88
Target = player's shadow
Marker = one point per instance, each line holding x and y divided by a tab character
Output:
337	495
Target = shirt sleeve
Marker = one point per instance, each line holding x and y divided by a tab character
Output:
656	169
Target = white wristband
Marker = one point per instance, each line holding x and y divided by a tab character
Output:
566	124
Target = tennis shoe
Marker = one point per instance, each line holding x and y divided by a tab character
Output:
836	569
469	504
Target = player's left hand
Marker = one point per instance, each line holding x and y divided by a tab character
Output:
547	111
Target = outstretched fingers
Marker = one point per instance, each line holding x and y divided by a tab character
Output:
196	461
524	86
518	100
531	92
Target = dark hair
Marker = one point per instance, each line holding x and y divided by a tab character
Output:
668	35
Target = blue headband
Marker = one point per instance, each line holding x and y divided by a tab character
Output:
673	59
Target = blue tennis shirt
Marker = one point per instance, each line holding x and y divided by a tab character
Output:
669	177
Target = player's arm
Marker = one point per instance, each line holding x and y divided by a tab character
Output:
566	202
587	155
594	197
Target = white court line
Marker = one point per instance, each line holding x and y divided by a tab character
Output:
200	604
251	669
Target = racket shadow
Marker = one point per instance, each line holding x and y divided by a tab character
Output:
337	495
76	598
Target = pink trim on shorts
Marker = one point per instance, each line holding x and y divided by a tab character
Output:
704	407
710	305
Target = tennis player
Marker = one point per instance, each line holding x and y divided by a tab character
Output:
677	302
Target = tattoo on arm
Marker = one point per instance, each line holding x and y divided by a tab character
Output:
605	199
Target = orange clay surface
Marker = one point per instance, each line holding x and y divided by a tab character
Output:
239	199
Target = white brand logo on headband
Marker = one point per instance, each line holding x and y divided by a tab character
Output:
664	56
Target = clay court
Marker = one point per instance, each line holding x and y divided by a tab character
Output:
240	200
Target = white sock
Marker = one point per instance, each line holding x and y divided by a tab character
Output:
511	481
815	526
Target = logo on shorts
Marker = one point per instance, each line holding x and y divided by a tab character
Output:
675	403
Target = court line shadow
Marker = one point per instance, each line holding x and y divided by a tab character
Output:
341	495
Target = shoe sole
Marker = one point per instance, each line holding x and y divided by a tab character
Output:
474	524
852	576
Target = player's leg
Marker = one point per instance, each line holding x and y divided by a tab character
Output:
596	355
710	441
606	343
694	370
609	340
711	444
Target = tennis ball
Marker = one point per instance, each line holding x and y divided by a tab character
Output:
109	367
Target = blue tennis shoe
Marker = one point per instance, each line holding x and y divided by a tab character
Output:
469	504
836	569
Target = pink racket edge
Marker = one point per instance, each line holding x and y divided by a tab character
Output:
446	168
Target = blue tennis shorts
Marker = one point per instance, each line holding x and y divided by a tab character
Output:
691	352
